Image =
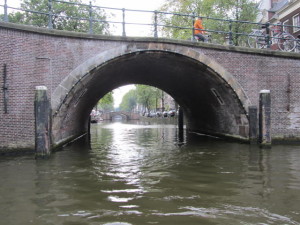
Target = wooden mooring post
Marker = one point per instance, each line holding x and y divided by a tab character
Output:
265	139
42	111
253	124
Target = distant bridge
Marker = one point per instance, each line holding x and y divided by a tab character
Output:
214	85
124	115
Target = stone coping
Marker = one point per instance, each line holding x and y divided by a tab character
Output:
79	35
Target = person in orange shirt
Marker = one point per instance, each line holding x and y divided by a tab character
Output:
199	29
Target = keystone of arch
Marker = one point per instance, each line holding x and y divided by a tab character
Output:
84	69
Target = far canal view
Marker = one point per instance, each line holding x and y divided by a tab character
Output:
143	173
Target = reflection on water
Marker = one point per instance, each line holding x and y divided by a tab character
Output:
146	174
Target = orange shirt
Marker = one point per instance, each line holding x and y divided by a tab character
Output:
198	25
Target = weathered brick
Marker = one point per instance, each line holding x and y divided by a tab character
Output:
35	59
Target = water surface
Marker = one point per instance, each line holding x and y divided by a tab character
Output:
146	174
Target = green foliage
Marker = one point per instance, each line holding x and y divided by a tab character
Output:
148	96
16	17
106	103
65	16
129	101
212	11
144	95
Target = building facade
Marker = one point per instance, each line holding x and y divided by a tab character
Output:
285	12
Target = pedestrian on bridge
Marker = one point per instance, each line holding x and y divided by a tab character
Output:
199	29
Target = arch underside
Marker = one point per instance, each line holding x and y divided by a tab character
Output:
213	103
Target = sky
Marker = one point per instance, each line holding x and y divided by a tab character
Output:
131	4
131	30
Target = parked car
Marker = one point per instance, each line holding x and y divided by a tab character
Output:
152	114
172	113
165	114
158	114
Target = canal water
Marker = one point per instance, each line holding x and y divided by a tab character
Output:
136	174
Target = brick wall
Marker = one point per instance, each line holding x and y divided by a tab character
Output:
32	60
37	57
280	75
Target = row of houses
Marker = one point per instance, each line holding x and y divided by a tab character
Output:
285	12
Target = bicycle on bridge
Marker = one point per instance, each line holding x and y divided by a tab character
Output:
207	38
297	48
259	38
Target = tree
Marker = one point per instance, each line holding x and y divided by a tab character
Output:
65	15
129	101
159	98
106	103
212	11
146	96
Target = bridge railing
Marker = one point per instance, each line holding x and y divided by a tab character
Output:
120	21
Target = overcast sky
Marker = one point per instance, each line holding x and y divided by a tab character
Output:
131	4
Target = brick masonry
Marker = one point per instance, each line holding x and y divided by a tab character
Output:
35	57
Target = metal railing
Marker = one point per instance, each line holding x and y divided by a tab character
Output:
230	32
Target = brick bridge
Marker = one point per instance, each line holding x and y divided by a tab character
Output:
125	115
213	84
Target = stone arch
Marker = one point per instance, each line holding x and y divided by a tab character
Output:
122	114
72	89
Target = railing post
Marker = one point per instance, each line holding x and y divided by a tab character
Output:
5	11
123	23
230	41
91	18
50	24
268	35
155	24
